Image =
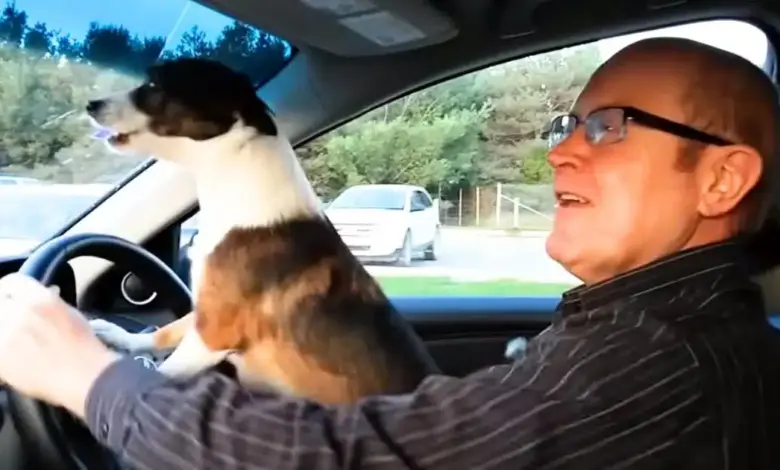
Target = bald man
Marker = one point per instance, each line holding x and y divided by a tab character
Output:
663	358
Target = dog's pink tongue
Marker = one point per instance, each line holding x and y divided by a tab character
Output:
102	133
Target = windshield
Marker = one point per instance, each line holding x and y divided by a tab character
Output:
54	57
371	197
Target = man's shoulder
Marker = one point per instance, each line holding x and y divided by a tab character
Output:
611	355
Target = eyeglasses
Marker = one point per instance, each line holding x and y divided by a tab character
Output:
608	126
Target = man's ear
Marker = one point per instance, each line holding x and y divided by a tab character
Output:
727	174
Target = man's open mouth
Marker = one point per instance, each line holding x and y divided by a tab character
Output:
566	199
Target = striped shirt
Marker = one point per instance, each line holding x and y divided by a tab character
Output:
671	366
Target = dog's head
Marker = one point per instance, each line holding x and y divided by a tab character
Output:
181	102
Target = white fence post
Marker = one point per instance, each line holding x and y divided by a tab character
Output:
498	204
460	207
477	211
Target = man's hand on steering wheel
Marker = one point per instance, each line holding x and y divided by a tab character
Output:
55	349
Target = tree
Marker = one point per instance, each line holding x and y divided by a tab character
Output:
480	128
13	24
236	47
427	138
525	95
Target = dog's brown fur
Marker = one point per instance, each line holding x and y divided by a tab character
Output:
304	314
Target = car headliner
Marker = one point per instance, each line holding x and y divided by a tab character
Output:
319	89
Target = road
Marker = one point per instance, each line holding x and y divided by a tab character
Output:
475	254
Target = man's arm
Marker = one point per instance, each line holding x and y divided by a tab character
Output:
211	422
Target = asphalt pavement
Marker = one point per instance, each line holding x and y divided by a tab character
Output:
475	254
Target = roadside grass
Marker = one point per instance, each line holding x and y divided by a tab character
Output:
442	285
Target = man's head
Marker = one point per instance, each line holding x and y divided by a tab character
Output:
643	187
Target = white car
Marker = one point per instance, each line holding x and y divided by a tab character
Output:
8	180
387	222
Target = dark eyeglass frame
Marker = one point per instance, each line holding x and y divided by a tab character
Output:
645	119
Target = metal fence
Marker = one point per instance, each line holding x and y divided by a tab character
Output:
505	206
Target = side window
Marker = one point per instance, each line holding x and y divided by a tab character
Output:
424	199
189	231
475	144
420	201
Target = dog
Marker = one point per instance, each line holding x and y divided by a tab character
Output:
278	291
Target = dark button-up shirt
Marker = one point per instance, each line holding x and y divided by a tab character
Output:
671	366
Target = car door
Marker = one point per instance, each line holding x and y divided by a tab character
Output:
419	214
431	219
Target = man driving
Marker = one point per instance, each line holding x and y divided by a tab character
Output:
662	358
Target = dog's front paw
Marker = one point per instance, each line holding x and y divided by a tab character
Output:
118	338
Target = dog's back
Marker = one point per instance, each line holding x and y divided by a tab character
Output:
305	314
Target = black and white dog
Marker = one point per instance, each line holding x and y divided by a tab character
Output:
278	285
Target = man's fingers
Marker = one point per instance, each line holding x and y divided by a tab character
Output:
54	290
11	313
22	287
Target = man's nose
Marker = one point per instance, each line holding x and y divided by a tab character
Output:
569	151
94	107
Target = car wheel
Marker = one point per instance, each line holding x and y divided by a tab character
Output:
405	256
431	251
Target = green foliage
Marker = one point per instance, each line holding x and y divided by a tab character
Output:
480	128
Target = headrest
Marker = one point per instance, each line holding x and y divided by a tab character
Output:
764	248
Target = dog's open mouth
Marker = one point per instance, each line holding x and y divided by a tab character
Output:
121	138
113	137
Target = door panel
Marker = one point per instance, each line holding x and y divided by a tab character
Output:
465	334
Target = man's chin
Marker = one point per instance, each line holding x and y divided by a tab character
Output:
557	246
563	251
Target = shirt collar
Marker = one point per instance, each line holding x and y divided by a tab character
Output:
663	277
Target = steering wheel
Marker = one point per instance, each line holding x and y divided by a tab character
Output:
60	441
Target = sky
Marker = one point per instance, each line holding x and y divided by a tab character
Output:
140	17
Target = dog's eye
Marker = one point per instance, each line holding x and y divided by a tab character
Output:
151	84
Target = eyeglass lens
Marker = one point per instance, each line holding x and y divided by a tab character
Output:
601	127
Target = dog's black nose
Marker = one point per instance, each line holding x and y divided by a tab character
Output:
94	106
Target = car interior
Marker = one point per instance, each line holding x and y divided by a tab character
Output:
124	259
